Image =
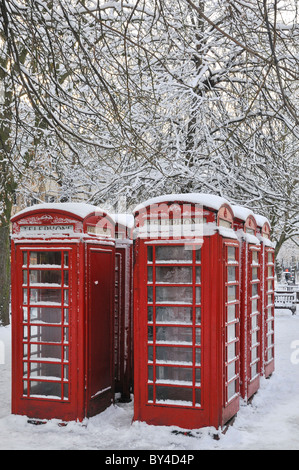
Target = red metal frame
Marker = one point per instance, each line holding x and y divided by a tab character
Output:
251	306
58	339
184	361
123	329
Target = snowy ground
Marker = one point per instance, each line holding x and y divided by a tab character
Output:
270	422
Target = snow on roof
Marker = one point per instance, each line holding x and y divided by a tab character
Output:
261	220
127	220
241	212
78	208
208	200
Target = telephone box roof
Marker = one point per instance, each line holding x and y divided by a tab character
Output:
208	200
79	209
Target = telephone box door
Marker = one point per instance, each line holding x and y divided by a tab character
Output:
44	359
100	329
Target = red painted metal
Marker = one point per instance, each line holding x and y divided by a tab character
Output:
251	303
267	269
123	329
62	311
186	315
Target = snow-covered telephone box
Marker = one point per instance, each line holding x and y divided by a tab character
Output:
251	301
186	311
267	276
63	277
123	327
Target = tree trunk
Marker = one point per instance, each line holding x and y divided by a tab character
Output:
4	274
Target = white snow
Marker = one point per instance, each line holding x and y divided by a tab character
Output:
270	422
78	208
241	212
207	200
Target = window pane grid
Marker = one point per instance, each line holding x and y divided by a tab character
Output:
45	324
231	322
269	307
174	326
255	313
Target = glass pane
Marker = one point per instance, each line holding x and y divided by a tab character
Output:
198	376
198	255
173	254
174	374
150	294
231	390
253	354
231	312
150	353
150	393
24	258
254	305
231	332
254	370
174	274
174	314
231	370
25	296
231	351
150	274
45	315
170	334
150	371
66	259
231	273
65	278
198	396
150	333
270	257
49	389
174	355
45	277
254	338
270	354
254	257
174	394
25	278
231	253
254	322
174	294
45	296
254	290
198	275
198	356
231	293
254	274
25	314
198	336
150	254
198	315
41	369
45	257
198	294
50	334
45	351
149	314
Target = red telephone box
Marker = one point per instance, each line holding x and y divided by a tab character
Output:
186	311
267	325
251	301
63	276
123	326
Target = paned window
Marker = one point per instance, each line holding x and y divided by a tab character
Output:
232	322
46	281
174	325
